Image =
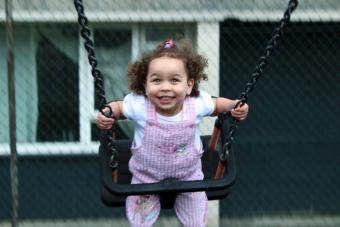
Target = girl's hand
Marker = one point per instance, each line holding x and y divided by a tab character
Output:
240	112
103	122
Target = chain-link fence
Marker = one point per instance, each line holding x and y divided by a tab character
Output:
287	150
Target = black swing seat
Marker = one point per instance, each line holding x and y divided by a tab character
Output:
115	193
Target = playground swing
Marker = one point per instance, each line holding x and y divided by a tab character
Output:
218	166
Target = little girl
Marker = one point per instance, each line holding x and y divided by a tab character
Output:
167	108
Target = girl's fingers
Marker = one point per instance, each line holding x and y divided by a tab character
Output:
240	110
240	115
104	122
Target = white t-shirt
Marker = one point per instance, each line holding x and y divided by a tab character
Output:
134	108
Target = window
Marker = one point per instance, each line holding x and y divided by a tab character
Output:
58	92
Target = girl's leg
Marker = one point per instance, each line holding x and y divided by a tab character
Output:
142	211
192	209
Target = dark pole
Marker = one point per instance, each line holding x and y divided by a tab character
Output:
12	114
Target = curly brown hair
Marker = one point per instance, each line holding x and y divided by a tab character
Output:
181	49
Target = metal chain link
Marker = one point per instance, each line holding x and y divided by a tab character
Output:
98	79
254	78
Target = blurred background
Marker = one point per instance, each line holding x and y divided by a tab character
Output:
288	155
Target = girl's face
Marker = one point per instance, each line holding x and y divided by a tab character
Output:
167	85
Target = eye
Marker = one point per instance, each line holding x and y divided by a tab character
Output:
155	81
174	81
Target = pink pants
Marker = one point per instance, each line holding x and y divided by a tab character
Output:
191	209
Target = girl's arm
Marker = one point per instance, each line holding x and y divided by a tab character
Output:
107	122
224	105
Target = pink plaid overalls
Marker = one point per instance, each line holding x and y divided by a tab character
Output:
167	151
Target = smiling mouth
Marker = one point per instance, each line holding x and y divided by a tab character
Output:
165	99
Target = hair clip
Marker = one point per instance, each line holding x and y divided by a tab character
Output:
169	44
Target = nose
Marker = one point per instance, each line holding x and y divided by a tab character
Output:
165	86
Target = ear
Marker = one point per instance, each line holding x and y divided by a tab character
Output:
191	83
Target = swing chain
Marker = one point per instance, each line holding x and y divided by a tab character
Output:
98	80
113	163
255	76
89	46
110	136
